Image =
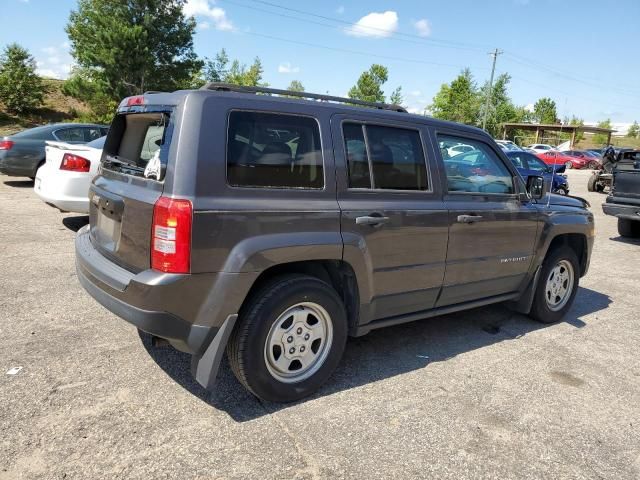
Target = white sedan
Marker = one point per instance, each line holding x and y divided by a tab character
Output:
63	181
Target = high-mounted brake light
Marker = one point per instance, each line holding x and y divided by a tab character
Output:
74	163
136	100
6	144
171	235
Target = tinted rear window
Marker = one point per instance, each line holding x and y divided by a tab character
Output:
274	150
135	139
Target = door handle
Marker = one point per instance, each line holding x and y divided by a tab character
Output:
373	220
469	218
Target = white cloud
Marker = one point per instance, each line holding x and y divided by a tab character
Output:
55	61
204	26
340	10
415	93
423	27
286	67
529	107
205	8
378	25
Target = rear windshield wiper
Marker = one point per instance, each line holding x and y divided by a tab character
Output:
117	161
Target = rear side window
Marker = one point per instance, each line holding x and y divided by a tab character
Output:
75	134
393	155
273	150
137	141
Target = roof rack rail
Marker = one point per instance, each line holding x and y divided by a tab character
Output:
228	87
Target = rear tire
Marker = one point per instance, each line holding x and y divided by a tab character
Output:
628	228
557	286
593	165
288	316
568	165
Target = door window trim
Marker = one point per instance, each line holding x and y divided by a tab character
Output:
376	123
273	188
511	168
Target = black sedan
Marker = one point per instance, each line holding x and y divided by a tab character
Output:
23	153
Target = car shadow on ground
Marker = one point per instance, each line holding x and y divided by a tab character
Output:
628	240
19	183
381	354
75	223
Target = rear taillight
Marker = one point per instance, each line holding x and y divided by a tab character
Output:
6	144
136	100
171	235
74	163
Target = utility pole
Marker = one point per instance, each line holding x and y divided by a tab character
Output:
494	54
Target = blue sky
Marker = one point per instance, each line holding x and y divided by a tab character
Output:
583	54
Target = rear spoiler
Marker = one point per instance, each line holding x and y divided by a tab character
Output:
67	146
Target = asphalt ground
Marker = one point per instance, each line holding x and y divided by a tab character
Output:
481	394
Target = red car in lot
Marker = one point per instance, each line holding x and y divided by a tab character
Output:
553	157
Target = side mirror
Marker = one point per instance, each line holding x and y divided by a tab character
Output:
559	168
536	186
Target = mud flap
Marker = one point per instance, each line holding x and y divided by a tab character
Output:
205	367
523	304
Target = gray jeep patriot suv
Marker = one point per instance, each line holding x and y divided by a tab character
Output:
230	218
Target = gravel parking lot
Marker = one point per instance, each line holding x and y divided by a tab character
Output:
482	394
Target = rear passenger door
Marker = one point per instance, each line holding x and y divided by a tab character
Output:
393	220
492	231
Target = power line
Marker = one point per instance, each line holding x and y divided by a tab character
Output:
424	41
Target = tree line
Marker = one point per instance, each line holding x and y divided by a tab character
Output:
127	48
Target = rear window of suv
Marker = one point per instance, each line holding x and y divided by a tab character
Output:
138	144
273	150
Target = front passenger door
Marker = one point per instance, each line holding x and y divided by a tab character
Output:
491	231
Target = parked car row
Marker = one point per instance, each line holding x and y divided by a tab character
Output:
23	153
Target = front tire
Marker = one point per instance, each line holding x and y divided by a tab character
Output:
290	338
628	228
557	286
591	183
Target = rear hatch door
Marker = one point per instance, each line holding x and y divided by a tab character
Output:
122	196
626	179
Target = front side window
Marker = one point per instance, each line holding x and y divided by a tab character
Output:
393	155
536	164
477	171
274	150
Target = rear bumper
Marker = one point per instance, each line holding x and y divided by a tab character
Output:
186	310
631	212
17	167
68	191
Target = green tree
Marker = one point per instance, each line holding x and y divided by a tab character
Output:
83	86
544	111
501	107
20	87
135	45
601	138
222	69
369	85
634	130
396	97
458	101
215	70
296	86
